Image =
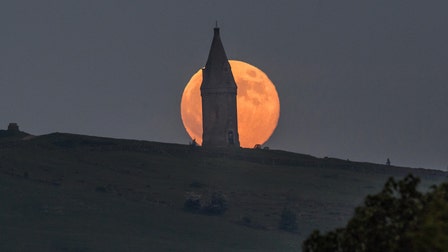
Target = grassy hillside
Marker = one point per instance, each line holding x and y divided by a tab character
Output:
64	192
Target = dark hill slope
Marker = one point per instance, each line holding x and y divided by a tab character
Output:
64	192
11	136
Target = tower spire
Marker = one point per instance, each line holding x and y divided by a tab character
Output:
218	92
217	65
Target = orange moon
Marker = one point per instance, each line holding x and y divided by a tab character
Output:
258	105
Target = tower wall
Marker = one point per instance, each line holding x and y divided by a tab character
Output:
219	119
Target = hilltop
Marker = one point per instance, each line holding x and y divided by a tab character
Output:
66	192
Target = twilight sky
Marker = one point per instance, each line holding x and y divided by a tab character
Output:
358	80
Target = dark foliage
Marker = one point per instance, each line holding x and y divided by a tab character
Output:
399	218
193	203
215	205
288	221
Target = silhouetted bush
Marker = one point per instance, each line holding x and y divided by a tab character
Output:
288	221
193	203
217	204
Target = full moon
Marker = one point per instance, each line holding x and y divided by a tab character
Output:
258	105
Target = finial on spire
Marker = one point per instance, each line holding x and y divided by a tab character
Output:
216	29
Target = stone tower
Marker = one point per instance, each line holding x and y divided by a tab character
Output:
218	91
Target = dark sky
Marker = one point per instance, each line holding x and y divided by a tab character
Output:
358	80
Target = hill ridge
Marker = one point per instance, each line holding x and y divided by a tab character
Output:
102	142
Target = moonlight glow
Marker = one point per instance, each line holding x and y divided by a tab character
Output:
258	105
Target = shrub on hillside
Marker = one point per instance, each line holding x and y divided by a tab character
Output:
193	202
288	220
216	204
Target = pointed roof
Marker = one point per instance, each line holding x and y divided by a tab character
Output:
217	55
217	72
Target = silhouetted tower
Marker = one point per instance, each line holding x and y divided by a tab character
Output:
218	91
13	127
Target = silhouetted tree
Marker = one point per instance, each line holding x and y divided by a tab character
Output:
399	218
